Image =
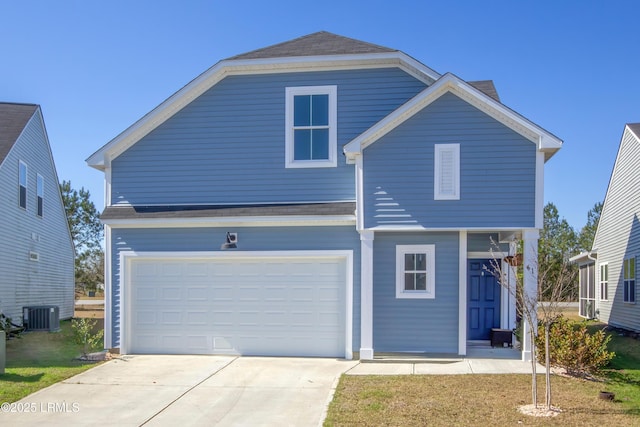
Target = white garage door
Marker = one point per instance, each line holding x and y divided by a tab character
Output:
273	306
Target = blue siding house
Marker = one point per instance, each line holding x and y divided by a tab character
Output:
319	197
608	287
36	250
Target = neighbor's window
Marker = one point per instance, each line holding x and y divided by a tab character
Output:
604	282
22	185
629	279
311	116
446	180
40	194
415	271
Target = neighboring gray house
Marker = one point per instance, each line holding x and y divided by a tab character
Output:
36	250
320	197
608	271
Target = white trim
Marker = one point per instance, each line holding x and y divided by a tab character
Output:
366	294
487	255
394	228
450	83
600	281
462	293
359	171
430	252
438	150
108	286
539	192
237	221
530	287
290	93
225	68
125	285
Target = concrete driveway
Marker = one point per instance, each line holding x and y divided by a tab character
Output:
187	391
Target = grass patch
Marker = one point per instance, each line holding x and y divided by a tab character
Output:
470	400
39	359
478	400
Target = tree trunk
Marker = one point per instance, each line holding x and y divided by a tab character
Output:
547	327
534	378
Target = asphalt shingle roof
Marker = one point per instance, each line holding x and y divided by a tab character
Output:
487	87
208	211
320	43
13	119
635	128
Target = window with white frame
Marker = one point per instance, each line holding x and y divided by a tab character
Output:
415	271
22	184
604	282
629	279
39	195
446	172
311	127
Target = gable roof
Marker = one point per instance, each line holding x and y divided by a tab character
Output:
545	141
13	119
635	128
632	129
487	87
332	53
320	43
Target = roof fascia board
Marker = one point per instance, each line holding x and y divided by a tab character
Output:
238	221
213	75
450	83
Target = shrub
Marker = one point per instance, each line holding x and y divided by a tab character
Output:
573	348
84	335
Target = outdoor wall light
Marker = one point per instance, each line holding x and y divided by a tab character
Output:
230	241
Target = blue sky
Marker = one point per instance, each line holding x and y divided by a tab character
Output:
572	67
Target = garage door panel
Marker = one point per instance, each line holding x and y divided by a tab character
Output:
268	306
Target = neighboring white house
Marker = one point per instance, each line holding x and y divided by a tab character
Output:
36	250
608	288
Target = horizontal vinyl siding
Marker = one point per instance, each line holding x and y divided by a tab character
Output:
249	239
618	235
415	325
49	281
497	171
228	145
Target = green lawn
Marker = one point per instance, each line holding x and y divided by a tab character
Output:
38	359
479	400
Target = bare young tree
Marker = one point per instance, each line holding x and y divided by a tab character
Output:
552	282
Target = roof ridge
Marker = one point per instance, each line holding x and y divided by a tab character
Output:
314	44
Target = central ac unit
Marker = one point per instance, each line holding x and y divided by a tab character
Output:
41	318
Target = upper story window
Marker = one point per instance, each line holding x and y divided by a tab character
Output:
40	194
22	185
415	271
629	279
604	282
311	127
446	181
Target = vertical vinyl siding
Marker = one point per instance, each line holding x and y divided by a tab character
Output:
249	239
497	171
228	145
415	325
49	281
618	235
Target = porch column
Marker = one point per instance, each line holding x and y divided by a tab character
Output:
366	294
462	293
530	291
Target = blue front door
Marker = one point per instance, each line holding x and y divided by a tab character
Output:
483	300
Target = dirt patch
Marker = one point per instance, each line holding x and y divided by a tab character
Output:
540	411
